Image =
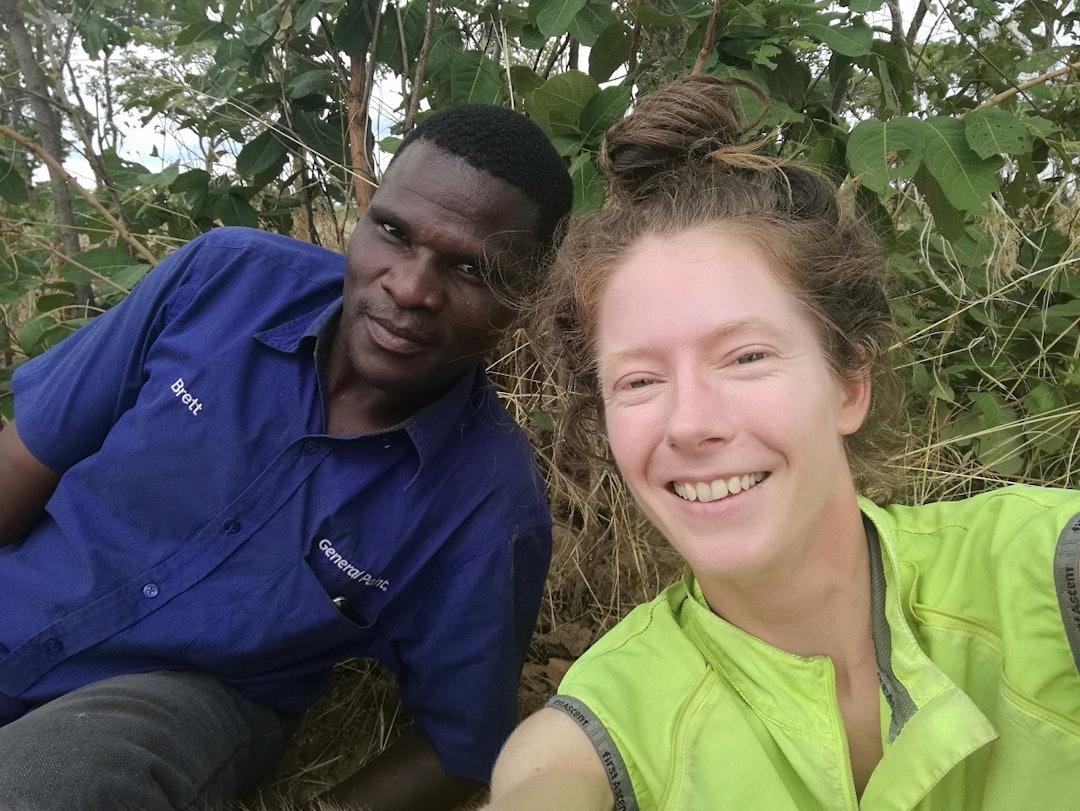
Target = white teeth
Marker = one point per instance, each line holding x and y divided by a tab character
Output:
686	491
717	489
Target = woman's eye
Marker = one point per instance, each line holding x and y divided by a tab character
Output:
391	230
750	357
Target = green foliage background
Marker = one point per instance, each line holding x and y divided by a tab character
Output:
952	127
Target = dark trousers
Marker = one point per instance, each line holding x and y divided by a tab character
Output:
140	742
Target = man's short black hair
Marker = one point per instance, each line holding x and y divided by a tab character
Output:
508	146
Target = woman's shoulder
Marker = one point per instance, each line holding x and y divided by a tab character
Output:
995	518
649	629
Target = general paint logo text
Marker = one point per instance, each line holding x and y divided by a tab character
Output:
361	576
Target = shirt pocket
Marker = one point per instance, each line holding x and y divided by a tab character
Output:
288	621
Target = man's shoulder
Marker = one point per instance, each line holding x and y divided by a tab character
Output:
229	248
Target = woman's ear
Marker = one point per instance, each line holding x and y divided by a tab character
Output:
855	391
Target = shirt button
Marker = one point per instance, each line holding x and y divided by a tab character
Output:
150	590
310	446
231	527
386	443
53	646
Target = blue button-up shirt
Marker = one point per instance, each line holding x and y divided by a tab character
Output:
205	520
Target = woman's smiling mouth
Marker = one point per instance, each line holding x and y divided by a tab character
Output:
717	488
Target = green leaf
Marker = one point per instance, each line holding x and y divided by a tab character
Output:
949	221
994	131
390	144
554	16
1043	399
104	260
882	152
52	302
233	209
590	22
127	275
193	180
863	6
967	180
260	155
308	83
1001	443
306	13
853	40
201	31
41	332
542	421
13	186
888	62
524	79
352	31
612	49
974	249
603	110
530	37
588	186
474	77
558	103
654	18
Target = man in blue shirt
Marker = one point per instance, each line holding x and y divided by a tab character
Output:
268	458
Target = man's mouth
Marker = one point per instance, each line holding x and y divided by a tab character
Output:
397	337
717	488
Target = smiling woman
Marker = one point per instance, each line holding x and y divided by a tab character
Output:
725	322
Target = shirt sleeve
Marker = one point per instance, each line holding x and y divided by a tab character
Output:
461	664
68	398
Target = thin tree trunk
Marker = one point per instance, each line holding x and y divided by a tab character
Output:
48	130
356	102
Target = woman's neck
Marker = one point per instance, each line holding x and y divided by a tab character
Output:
819	605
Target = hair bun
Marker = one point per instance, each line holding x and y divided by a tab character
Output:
691	121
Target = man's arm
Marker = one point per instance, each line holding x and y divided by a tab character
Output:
25	486
549	762
407	776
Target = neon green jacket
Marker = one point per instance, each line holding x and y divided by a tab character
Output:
977	634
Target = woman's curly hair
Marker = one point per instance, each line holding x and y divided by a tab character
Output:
684	160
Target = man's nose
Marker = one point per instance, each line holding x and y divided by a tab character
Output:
415	282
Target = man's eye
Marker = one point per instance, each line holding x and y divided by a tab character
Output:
391	230
750	357
473	273
639	382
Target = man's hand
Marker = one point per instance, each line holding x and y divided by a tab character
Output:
25	486
407	776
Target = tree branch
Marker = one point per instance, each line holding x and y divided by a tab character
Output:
710	37
1020	88
421	66
56	167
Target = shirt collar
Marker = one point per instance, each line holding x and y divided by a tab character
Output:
430	427
769	678
287	337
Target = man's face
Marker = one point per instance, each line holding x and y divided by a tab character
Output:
417	306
